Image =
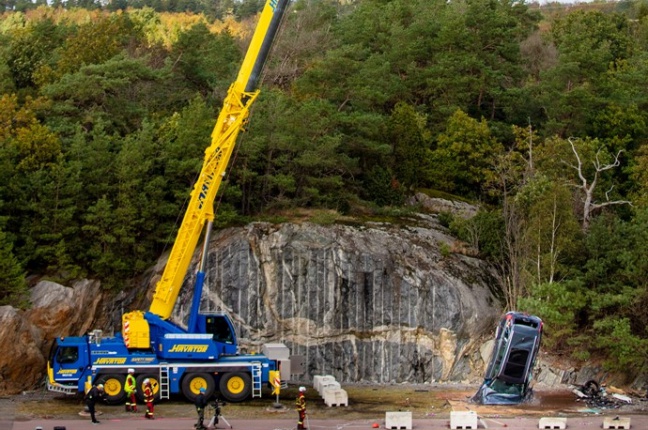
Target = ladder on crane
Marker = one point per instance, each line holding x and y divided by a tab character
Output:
164	381
256	380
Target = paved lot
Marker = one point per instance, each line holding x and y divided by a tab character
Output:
136	423
431	410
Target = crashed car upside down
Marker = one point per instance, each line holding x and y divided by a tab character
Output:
509	373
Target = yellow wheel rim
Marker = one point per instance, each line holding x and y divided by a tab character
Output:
197	383
235	385
112	386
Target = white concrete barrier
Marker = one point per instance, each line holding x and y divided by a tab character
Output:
336	397
326	385
316	381
463	420
319	379
552	423
398	420
616	423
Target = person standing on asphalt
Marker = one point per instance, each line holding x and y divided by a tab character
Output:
148	399
131	388
300	402
201	404
95	394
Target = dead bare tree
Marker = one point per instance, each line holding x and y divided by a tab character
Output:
588	186
515	247
513	242
554	249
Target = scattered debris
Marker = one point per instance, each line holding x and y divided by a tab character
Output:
623	398
595	396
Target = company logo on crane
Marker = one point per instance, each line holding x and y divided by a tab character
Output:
189	348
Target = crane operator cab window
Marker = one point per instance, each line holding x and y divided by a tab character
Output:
67	354
220	328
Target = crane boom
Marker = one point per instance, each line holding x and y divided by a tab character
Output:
231	120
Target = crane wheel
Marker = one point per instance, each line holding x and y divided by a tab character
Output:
113	387
235	386
193	382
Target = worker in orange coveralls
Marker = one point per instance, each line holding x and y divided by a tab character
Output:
148	399
300	402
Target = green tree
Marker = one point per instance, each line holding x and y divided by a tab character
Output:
14	290
207	61
7	84
118	94
411	146
30	48
100	227
54	232
464	156
553	231
478	56
588	42
560	304
29	151
183	138
96	42
297	155
592	39
381	187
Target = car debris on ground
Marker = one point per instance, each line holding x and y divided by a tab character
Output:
595	395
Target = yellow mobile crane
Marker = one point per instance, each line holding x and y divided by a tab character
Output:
205	354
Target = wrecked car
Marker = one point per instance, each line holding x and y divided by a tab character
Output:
509	373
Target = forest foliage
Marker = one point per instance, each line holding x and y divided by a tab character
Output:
539	114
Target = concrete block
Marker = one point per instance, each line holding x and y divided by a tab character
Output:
398	420
552	423
324	385
318	379
616	423
336	397
463	420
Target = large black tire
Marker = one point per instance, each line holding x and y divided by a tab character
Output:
113	388
193	382
235	386
155	385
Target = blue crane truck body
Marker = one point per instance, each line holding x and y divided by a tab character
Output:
177	362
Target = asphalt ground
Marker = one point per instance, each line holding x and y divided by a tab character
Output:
515	423
431	408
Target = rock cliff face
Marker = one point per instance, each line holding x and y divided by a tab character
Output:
26	336
376	302
379	303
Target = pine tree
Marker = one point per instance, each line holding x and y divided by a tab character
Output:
13	286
